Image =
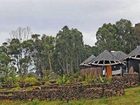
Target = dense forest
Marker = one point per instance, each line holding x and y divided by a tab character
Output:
62	54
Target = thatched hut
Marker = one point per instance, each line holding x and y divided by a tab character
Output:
121	56
110	63
113	61
86	62
87	69
133	59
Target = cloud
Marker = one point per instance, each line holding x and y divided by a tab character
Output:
49	16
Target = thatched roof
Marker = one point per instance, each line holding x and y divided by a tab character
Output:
135	54
87	61
119	54
106	58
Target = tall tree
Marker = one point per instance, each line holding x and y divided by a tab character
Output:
6	69
37	54
48	43
118	36
106	37
69	45
21	33
15	52
125	32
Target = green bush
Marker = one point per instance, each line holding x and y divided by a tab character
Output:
90	79
50	77
13	81
62	80
101	79
9	82
27	81
31	80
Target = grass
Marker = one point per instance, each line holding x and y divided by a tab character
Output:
131	97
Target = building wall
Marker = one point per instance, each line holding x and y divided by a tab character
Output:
91	71
133	63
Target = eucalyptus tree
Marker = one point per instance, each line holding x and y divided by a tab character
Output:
118	36
37	54
21	33
48	43
68	51
15	52
6	69
125	32
26	60
107	37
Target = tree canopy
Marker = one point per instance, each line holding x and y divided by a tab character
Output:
118	36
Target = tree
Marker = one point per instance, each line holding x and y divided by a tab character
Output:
37	55
15	52
118	36
90	50
107	38
20	53
6	69
26	60
21	33
125	32
48	43
69	47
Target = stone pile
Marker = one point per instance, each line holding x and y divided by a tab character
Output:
75	91
131	80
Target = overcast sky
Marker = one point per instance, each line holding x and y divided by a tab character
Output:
49	16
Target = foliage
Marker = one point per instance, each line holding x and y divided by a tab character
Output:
90	79
69	50
101	79
62	54
118	36
52	76
106	37
31	80
28	81
11	82
62	80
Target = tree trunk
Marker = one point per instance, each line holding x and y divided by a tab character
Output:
49	59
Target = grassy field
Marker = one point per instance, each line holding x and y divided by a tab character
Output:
131	97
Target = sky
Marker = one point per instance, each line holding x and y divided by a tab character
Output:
49	16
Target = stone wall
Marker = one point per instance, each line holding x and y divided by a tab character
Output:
75	91
68	92
131	80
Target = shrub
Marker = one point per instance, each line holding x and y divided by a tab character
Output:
28	81
52	77
90	79
62	79
101	79
9	82
31	80
49	77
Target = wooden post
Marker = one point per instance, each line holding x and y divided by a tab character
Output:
121	71
108	71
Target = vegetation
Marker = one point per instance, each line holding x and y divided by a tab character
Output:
119	36
47	57
131	97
